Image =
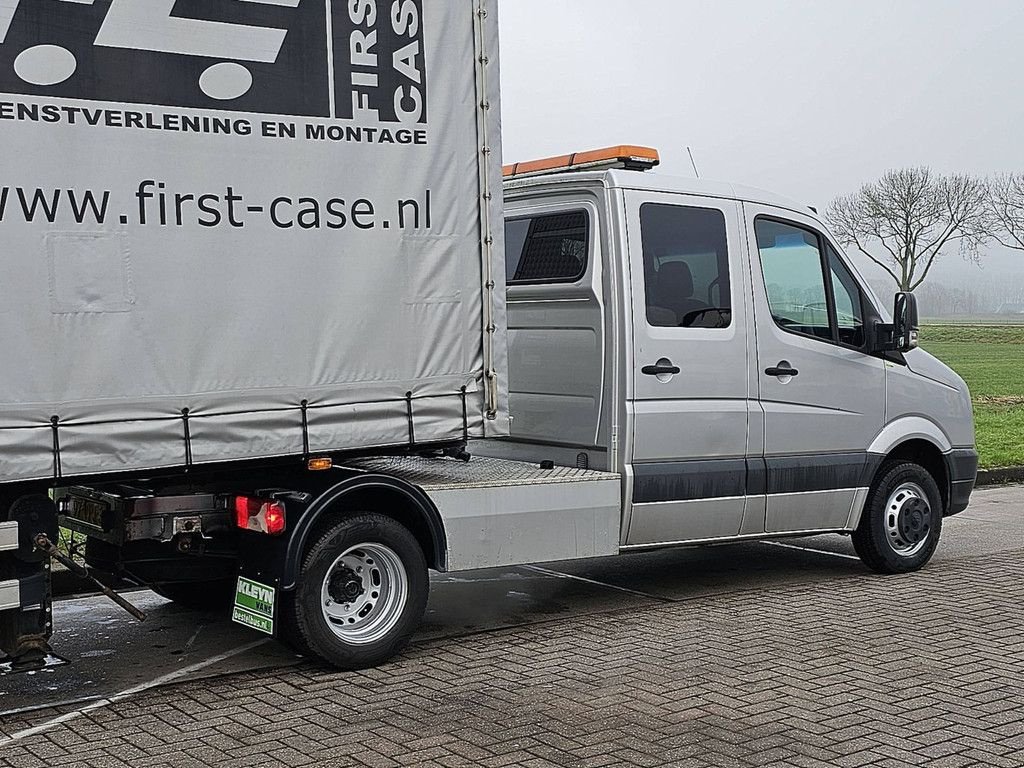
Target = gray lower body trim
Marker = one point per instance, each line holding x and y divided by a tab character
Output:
10	595
8	536
731	539
689	480
700	519
857	510
806	510
960	496
720	478
962	465
819	472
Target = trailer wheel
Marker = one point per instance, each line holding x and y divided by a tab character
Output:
361	593
902	520
199	595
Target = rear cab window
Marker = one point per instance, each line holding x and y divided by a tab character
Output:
549	248
686	267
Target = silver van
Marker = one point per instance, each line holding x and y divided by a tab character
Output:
714	345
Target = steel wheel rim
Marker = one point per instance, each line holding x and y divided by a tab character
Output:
364	593
908	520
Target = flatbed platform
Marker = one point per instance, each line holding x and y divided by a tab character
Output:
441	474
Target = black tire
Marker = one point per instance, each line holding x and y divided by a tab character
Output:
198	595
898	532
308	630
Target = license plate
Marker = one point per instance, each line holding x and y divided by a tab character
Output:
87	511
254	605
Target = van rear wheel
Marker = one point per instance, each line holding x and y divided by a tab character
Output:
902	519
361	593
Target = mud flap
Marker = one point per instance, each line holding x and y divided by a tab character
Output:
255	605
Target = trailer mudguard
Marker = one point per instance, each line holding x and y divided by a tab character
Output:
371	493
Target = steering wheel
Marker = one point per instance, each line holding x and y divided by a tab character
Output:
690	318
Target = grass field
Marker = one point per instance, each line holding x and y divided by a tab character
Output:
991	360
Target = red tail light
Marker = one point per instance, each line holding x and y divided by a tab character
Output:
246	507
261	515
274	516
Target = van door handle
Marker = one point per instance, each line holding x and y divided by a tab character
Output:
783	369
663	368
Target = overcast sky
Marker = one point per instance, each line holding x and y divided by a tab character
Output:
809	99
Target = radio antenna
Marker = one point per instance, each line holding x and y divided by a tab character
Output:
694	164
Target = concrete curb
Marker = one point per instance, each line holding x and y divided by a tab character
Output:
1000	476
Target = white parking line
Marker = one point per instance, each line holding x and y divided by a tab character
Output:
811	549
560	575
128	693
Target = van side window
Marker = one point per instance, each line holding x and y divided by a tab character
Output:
792	266
809	294
546	249
849	302
686	267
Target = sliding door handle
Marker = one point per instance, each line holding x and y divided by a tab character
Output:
783	369
663	368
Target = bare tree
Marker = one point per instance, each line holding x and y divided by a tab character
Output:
903	221
1006	203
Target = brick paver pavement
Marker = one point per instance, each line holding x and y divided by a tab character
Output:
925	669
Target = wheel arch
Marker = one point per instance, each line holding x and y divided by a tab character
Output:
909	429
927	454
385	495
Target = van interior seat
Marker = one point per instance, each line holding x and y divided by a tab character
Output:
674	293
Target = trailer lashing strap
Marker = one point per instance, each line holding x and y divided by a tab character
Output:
409	416
465	416
185	418
304	407
55	427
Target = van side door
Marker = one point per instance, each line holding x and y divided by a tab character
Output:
556	334
822	392
690	390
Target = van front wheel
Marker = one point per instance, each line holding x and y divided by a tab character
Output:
902	519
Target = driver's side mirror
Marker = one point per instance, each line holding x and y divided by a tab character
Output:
906	323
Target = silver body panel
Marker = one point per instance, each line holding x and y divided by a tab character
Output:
10	595
499	512
557	342
808	510
691	520
8	536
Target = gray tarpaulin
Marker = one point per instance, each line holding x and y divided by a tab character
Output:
236	214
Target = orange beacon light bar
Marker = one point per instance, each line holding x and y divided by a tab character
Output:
628	157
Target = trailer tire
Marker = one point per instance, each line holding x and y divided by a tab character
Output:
902	519
377	566
198	595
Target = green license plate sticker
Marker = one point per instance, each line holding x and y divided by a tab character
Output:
254	605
